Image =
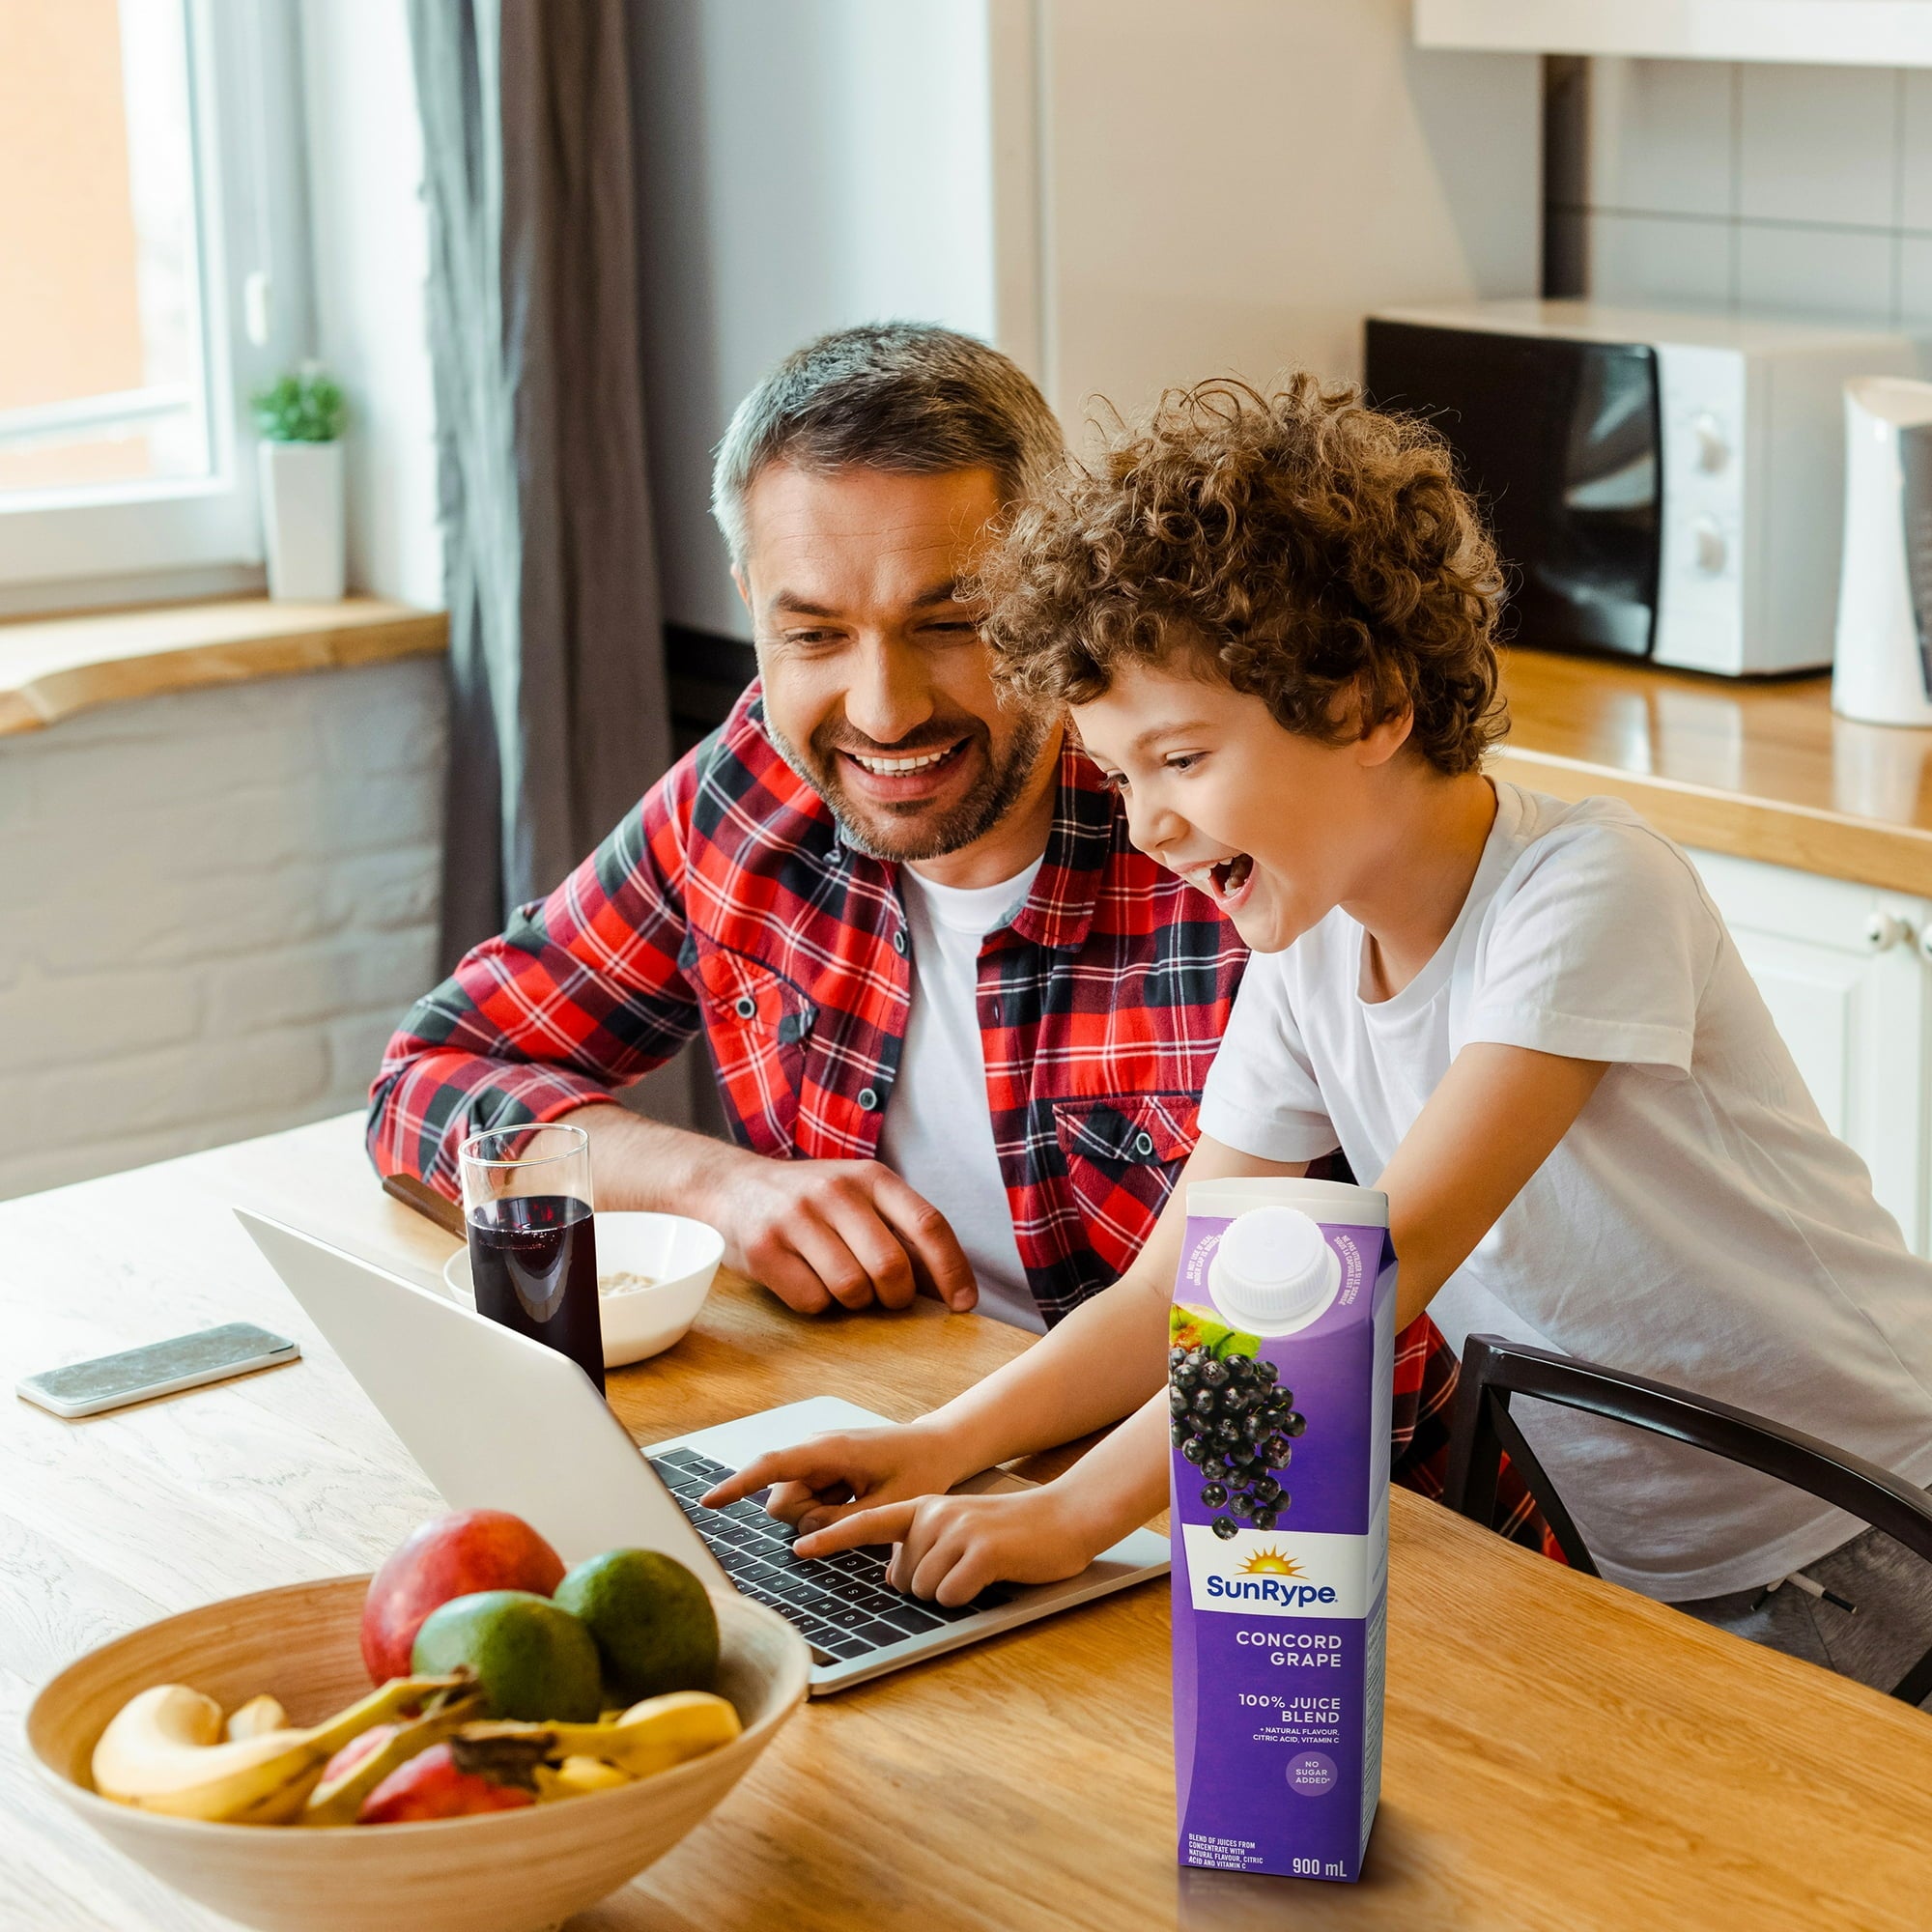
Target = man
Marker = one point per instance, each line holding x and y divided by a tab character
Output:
959	1024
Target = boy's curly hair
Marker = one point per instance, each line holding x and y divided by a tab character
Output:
1319	550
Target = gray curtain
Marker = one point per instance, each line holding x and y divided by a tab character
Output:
558	712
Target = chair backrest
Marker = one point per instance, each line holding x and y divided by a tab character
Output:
1494	1369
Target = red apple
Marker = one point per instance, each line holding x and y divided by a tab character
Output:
449	1557
430	1786
356	1750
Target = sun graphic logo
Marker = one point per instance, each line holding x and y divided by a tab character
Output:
1270	1563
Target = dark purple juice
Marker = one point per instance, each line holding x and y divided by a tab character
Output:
534	1264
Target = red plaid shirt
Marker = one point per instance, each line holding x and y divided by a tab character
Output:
728	905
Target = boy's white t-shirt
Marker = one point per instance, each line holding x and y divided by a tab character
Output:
1698	1223
937	1135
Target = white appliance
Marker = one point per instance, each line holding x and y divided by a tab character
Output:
499	1421
1883	671
1661	486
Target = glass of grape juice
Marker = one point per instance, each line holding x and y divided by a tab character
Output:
527	1207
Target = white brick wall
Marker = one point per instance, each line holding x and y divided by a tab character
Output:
213	907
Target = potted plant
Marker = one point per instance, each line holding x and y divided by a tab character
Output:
299	418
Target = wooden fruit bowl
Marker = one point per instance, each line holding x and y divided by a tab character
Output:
505	1871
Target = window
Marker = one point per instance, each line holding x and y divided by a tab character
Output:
150	274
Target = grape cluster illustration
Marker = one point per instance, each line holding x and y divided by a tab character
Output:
1234	1422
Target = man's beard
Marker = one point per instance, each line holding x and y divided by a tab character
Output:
909	835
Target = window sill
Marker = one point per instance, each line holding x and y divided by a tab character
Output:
51	668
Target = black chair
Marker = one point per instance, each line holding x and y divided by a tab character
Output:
1494	1369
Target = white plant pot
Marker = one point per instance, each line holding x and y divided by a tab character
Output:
302	519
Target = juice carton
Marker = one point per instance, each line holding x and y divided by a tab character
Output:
1281	1381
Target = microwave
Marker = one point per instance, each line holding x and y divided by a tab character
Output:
1660	486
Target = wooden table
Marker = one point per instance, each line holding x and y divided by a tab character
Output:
1560	1753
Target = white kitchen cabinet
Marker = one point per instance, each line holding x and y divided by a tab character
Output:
1839	33
1840	968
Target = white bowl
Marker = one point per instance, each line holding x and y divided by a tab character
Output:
680	1257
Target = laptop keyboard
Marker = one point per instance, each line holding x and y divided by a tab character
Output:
841	1605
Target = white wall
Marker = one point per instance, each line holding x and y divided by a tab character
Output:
1121	193
219	905
1803	190
371	259
802	167
1231	186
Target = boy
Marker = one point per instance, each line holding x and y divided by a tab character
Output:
1272	619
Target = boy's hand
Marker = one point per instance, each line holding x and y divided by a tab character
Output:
827	1479
950	1547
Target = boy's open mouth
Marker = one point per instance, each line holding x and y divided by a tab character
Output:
1228	878
1232	877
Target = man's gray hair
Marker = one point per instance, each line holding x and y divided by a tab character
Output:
906	397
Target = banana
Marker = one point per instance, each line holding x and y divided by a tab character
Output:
663	1731
338	1803
165	1750
161	1752
649	1737
576	1776
280	1805
252	1718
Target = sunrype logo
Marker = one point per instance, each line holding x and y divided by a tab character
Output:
1268	1576
1258	1573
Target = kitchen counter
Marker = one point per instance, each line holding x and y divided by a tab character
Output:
1760	771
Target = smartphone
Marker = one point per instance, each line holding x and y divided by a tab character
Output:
137	1374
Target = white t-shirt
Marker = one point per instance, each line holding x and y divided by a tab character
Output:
1698	1223
938	1129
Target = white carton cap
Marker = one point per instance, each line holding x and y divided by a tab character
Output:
1273	1270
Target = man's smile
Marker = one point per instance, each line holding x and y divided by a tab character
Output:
914	777
892	767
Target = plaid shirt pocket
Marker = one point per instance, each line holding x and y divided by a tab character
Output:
756	1023
1123	1154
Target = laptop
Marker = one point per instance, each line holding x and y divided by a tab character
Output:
499	1421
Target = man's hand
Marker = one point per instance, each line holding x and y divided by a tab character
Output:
816	1231
950	1547
833	1476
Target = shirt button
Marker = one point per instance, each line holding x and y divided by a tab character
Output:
747	1008
1144	1145
869	1100
993	1011
899	942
